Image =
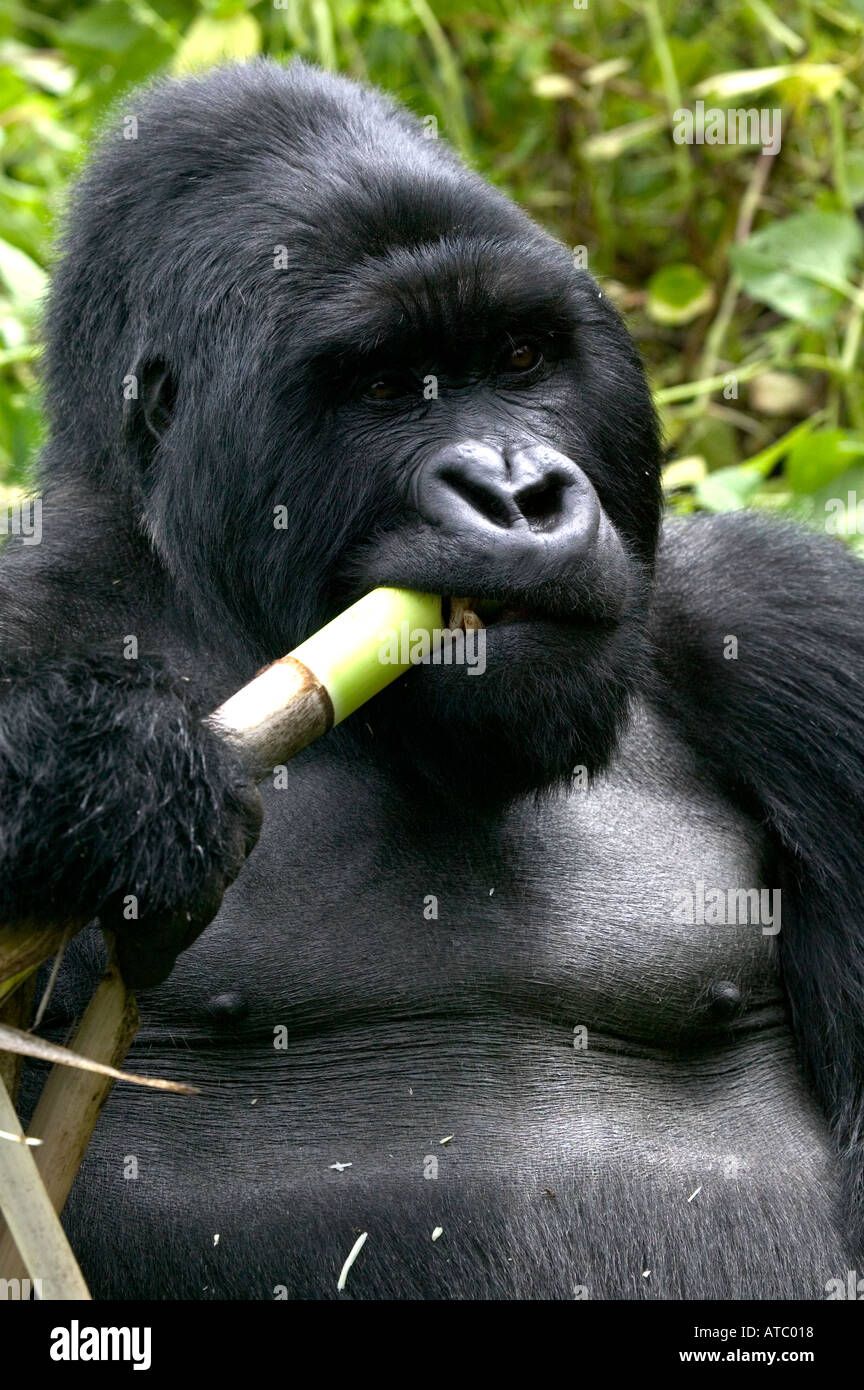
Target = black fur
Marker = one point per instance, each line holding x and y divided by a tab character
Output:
782	728
272	242
134	732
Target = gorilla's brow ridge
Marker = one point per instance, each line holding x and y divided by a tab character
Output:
387	304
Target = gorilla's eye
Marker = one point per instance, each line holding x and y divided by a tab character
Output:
523	357
389	386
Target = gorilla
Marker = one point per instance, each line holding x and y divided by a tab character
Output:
550	981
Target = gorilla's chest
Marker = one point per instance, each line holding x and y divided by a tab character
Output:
620	908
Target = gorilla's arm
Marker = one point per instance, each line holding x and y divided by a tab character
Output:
782	726
114	798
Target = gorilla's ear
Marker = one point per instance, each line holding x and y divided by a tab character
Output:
149	407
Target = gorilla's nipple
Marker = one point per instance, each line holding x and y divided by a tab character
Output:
227	1010
724	1000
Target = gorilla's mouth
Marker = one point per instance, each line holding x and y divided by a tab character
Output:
491	720
463	613
473	614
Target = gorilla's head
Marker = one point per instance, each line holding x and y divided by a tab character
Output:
320	355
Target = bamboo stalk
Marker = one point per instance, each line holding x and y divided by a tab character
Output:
34	1226
329	676
14	1013
70	1103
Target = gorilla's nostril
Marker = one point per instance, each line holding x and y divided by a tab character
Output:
541	505
495	505
531	498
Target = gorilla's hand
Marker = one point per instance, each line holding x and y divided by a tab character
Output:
116	801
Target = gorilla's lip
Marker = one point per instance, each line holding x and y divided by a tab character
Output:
595	589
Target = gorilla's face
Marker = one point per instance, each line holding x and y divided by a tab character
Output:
490	426
394	362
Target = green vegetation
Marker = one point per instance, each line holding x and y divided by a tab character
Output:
740	272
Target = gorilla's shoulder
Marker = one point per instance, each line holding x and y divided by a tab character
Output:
762	621
718	563
757	630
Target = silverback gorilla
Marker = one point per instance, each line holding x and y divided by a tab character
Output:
457	984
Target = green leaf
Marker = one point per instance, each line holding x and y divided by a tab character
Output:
613	143
822	79
678	294
44	70
684	473
854	171
836	509
209	40
110	28
840	505
23	278
816	460
729	489
782	264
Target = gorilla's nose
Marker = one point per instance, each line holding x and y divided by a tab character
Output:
520	496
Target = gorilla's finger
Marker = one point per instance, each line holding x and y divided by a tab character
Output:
148	947
143	965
